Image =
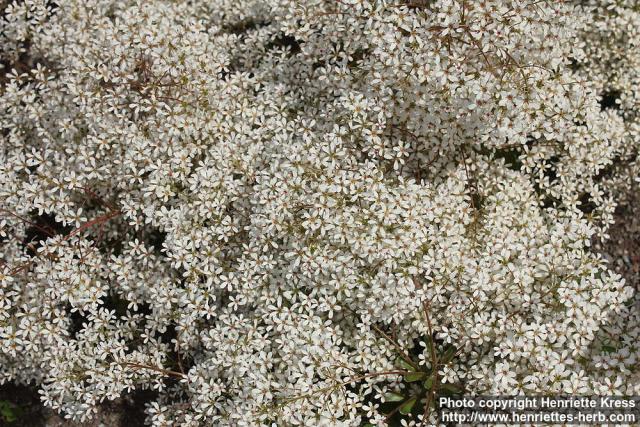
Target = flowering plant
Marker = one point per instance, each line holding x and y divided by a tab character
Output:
317	212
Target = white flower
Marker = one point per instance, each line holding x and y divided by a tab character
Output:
256	208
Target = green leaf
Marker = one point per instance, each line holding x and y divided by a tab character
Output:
450	389
448	355
408	405
404	364
428	383
608	348
393	397
414	376
7	411
428	341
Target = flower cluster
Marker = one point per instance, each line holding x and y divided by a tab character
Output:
290	211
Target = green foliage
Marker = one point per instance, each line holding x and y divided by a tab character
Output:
9	412
423	386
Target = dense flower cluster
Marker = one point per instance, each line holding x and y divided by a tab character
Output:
288	211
